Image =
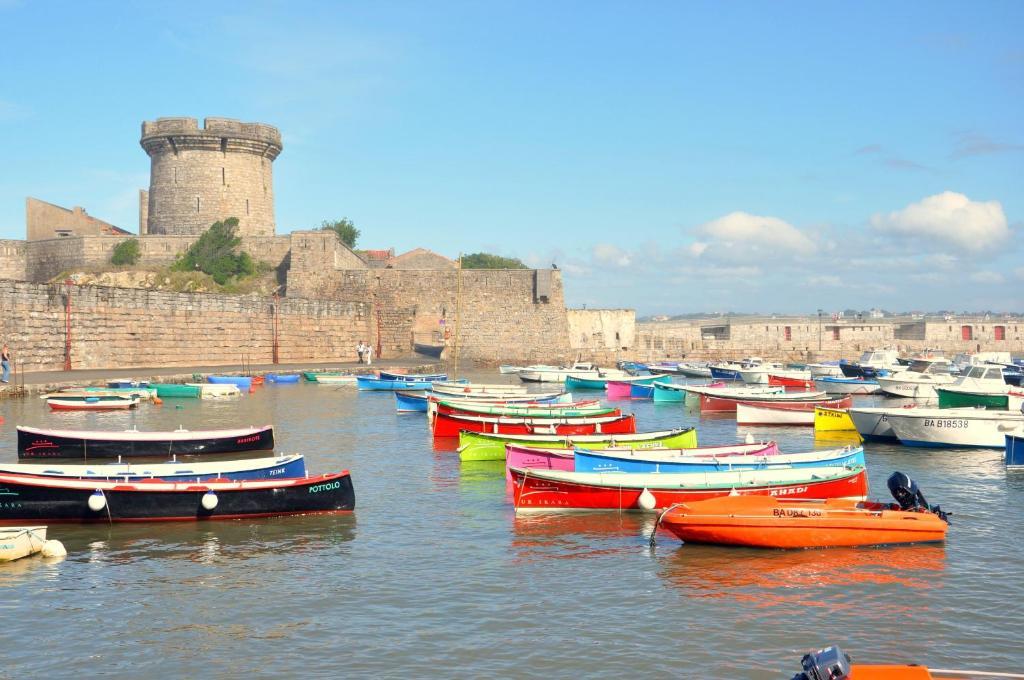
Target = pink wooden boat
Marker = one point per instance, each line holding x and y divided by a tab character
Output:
617	389
564	459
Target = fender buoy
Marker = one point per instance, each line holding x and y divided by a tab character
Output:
97	501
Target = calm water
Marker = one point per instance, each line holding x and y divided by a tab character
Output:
434	575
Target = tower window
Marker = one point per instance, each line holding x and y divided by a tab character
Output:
223	176
197	204
175	175
247	206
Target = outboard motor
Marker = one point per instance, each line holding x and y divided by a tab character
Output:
909	496
830	663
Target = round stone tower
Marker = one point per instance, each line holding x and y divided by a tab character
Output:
199	176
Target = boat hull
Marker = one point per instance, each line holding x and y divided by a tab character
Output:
773	414
37	443
1015	452
479	446
960	399
175	391
540	492
243	382
833	385
766	522
946	428
257	468
447	426
791	383
86	405
664	393
695	460
833	420
720	404
65	500
411	402
376	384
283	378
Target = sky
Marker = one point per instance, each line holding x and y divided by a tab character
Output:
670	157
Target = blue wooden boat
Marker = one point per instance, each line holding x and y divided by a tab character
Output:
574	383
371	383
667	392
411	402
1015	452
276	467
641	391
283	377
650	460
244	382
428	377
724	373
127	383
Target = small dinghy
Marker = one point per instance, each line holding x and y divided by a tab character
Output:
279	467
34	442
832	663
773	522
92	404
18	542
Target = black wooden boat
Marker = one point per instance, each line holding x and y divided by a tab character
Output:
37	443
428	350
27	497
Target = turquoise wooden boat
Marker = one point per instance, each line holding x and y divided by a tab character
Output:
176	391
667	393
574	383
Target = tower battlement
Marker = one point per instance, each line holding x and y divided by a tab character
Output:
200	175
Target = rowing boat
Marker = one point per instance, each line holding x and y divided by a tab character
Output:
35	442
274	467
449	425
735	457
483	446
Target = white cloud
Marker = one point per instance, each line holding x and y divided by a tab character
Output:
609	254
1019	273
949	217
696	248
745	235
828	280
987	277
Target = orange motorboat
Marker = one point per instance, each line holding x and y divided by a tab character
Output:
772	522
832	663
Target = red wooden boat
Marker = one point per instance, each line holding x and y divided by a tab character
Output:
721	404
449	425
791	383
558	490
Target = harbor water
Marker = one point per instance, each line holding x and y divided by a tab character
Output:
435	575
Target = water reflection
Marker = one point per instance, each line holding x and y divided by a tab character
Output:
784	581
578	535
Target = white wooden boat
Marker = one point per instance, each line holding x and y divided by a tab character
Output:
326	379
507	369
460	389
772	414
758	374
216	390
91	404
18	542
280	467
955	427
919	380
580	369
730	391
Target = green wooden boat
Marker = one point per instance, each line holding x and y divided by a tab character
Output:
528	412
666	393
176	391
959	399
574	383
309	376
481	446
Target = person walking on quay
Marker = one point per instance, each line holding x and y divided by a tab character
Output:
5	361
368	353
360	350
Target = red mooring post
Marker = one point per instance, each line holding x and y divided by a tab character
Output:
67	325
277	305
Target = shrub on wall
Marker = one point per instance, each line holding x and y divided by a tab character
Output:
214	254
126	252
489	261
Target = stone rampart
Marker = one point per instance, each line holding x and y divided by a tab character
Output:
12	260
125	328
503	318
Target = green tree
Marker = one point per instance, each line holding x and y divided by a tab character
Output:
489	261
126	252
214	254
345	228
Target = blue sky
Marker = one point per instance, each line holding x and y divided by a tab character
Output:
671	157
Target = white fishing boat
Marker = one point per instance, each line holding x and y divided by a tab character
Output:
955	427
506	369
919	380
580	369
460	389
18	542
825	369
694	369
730	390
873	422
758	374
336	379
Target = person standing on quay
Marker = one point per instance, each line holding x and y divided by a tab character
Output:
359	351
5	361
368	353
